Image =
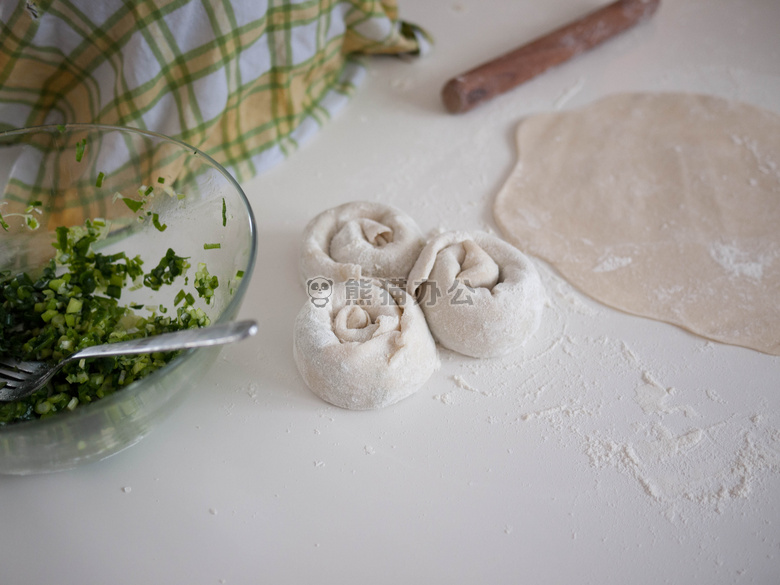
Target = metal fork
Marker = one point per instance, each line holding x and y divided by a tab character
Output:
20	379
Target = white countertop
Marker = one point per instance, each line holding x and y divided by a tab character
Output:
612	449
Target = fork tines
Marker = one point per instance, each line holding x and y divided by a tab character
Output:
13	372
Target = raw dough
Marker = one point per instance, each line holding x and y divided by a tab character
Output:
367	347
481	296
360	239
662	205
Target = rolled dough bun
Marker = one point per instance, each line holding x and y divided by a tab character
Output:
481	296
360	239
661	205
367	347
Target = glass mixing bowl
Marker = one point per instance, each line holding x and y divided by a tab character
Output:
84	171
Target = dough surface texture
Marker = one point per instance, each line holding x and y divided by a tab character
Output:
360	239
481	296
368	355
662	205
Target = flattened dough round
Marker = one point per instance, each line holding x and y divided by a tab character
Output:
662	205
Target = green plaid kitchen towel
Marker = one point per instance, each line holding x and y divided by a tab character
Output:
243	80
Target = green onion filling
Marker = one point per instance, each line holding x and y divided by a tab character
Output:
74	303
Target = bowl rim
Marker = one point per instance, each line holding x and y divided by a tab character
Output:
64	417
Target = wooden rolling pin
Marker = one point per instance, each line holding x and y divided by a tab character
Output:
502	74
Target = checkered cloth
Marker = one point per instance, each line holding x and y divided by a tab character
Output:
243	80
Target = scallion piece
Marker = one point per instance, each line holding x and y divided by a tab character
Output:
156	223
212	246
27	216
205	283
100	177
133	204
81	145
62	238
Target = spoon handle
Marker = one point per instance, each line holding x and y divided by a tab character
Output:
185	339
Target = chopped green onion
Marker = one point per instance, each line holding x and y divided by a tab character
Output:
133	204
80	147
205	283
170	267
100	177
61	128
73	304
29	219
224	212
161	180
156	223
240	274
212	246
149	190
62	238
182	296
